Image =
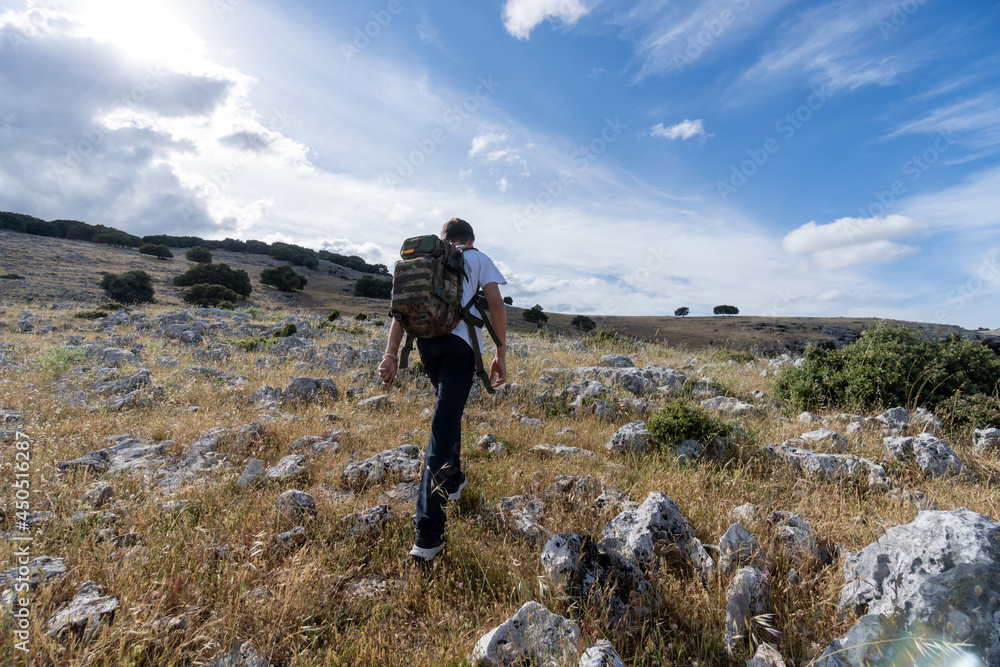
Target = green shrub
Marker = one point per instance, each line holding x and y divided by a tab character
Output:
610	340
373	288
112	306
508	300
161	251
12	276
970	411
890	366
216	274
55	360
254	312
334	315
361	317
535	314
739	356
199	254
130	287
226	305
583	322
208	295
284	278
287	329
90	314
680	420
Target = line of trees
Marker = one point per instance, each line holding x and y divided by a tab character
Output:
82	231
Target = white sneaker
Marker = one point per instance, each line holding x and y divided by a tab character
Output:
427	553
457	493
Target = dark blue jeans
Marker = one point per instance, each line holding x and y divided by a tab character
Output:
449	363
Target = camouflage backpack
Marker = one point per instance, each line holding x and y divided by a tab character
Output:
427	296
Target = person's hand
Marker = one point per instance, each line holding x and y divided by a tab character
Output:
498	370
387	370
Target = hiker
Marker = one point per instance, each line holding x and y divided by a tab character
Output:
450	362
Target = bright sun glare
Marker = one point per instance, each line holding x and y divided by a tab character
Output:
148	31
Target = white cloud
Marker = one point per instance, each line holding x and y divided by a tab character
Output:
686	129
502	184
975	120
837	44
521	16
876	252
483	141
843	232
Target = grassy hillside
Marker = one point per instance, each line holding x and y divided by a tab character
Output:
192	584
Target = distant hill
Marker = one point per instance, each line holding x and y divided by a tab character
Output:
64	270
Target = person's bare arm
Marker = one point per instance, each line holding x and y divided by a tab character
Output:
390	362
498	316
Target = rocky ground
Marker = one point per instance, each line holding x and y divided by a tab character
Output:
194	489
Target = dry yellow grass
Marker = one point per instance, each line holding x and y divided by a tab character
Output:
295	605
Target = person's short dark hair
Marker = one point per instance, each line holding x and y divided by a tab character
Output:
458	231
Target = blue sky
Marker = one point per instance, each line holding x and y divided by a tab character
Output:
789	158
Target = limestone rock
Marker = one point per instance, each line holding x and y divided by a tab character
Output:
630	438
795	534
288	467
533	634
819	466
601	654
738	548
404	462
987	440
766	656
575	564
489	444
574	490
894	419
932	454
295	505
306	389
374	403
826	439
746	597
731	407
85	614
367	524
616	361
938	573
522	514
560	450
637	534
244	656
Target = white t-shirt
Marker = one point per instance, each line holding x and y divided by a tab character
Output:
479	270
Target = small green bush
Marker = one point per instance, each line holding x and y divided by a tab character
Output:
361	317
251	343
209	296
156	250
287	329
970	411
112	306
57	359
284	278
130	287
199	254
610	340
12	276
334	315
535	314
583	322
226	305
373	288
739	356
254	312
890	366
680	420
90	314
216	274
